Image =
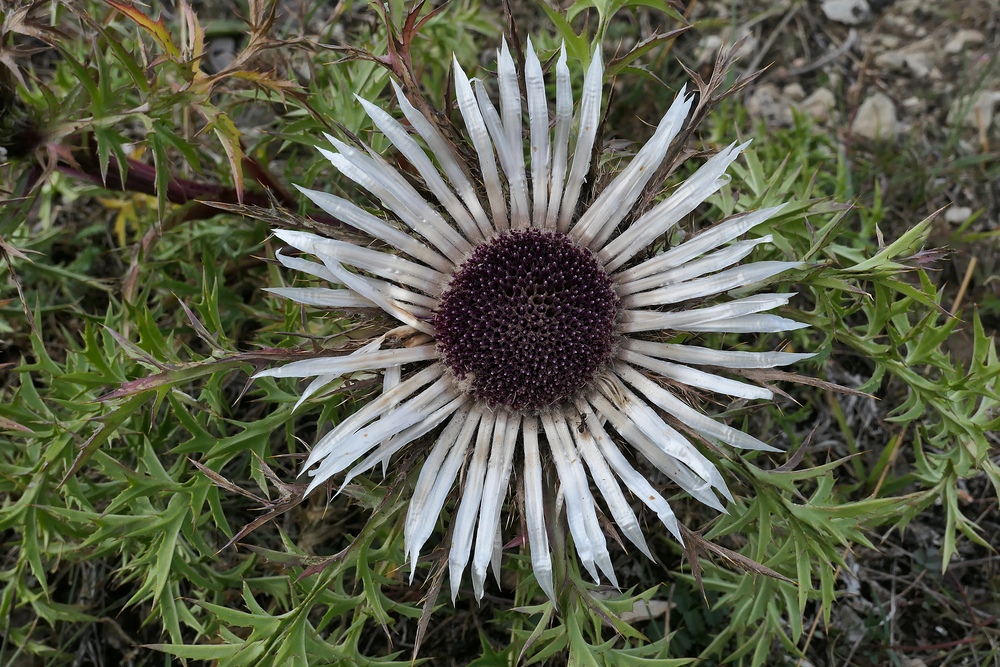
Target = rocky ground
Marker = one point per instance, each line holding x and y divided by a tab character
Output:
909	92
909	85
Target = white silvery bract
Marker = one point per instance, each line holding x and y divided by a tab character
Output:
533	333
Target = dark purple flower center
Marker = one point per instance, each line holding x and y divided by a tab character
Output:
528	320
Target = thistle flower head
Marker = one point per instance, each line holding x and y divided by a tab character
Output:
533	322
527	321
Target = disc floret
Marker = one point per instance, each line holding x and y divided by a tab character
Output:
528	320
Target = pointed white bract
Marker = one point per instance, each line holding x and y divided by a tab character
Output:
532	160
534	508
464	522
436	479
560	139
588	119
505	433
538	115
598	222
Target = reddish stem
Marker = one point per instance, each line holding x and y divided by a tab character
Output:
141	178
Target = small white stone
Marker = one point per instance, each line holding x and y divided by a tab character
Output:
707	48
220	52
819	104
848	12
963	38
891	60
720	10
919	58
643	611
794	92
750	44
956	215
767	102
897	24
876	118
889	41
921	65
975	111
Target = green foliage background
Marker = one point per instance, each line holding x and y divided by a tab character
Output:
133	449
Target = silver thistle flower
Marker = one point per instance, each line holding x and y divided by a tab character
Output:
531	329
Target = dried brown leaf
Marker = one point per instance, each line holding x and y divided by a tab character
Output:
224	483
10	425
764	375
433	593
695	544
